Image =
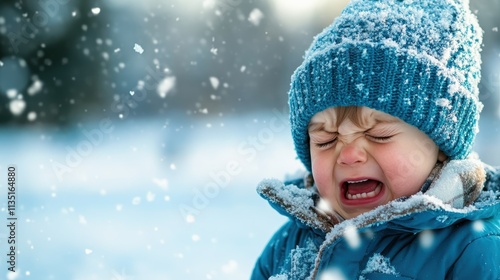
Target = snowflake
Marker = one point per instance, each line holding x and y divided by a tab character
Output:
352	237
138	49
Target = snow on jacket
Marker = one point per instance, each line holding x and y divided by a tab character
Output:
449	230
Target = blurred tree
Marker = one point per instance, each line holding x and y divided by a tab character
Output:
49	38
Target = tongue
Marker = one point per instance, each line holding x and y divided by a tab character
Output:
363	187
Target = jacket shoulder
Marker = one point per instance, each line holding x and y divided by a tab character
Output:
479	260
479	253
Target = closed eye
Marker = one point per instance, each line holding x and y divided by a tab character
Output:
380	139
326	144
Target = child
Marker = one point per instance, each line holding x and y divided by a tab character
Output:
384	111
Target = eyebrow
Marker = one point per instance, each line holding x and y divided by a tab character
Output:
315	127
386	120
320	126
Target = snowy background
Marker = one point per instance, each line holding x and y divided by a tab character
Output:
141	129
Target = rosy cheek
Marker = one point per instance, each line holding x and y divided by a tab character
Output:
401	174
403	168
393	163
322	173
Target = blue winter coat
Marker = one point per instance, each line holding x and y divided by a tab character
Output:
449	230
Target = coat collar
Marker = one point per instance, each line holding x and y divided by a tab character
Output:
458	189
457	186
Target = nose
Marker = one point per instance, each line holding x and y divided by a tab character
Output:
351	154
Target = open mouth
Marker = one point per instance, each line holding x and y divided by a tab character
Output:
361	189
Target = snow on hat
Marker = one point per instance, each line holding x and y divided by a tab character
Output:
416	60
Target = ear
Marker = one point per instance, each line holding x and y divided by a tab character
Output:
442	157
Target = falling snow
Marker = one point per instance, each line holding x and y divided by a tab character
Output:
426	238
255	16
352	237
150	196
162	183
214	82
32	116
17	106
136	200
82	220
11	93
36	87
330	274
165	86
478	225
138	48
12	275
96	10
195	237
163	149
230	267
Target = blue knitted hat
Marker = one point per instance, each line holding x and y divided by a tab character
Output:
417	60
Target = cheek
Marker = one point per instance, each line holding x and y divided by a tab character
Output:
406	170
322	169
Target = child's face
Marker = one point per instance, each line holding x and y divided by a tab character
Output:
359	167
